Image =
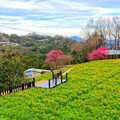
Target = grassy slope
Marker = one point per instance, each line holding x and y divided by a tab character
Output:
92	92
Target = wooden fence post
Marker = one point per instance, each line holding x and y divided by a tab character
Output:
53	75
57	75
33	83
55	81
22	86
49	83
66	76
29	84
10	88
60	72
0	92
61	78
5	91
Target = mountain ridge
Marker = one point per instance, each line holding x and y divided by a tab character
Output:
77	38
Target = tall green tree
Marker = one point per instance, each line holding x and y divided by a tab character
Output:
12	68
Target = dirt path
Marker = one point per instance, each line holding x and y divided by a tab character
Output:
40	82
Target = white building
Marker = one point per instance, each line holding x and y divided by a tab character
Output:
32	72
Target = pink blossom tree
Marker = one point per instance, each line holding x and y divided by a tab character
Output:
52	58
99	54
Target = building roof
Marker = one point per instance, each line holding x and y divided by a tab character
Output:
114	52
37	70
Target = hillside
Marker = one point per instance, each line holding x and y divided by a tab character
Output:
33	43
92	92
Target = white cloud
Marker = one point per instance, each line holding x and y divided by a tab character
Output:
44	31
10	17
63	17
17	4
36	23
54	6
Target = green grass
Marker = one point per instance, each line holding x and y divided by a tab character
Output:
92	92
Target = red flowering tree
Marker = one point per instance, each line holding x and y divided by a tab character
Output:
52	58
99	54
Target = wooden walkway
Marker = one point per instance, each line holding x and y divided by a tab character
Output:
57	79
45	84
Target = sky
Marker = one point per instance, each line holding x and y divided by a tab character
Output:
53	17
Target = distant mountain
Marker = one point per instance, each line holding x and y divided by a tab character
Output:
77	38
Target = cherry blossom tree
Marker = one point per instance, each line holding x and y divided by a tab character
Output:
52	58
99	54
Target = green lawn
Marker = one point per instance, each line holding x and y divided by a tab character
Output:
92	92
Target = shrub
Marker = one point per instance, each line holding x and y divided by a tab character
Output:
65	60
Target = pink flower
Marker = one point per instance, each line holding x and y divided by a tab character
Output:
54	56
99	54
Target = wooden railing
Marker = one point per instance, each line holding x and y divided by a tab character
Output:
13	89
56	77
